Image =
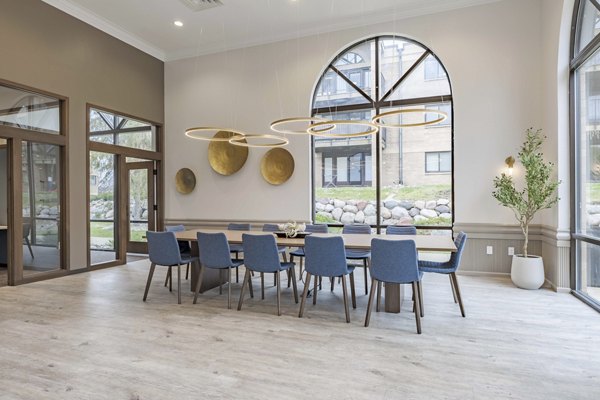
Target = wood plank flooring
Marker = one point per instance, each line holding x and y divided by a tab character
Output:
90	336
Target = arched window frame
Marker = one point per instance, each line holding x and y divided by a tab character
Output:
377	104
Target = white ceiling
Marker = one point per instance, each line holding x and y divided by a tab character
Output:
148	24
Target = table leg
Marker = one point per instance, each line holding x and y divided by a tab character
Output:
394	294
210	279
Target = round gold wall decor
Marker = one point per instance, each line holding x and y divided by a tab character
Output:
225	158
277	166
185	181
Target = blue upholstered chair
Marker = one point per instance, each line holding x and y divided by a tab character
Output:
400	230
363	255
184	249
215	254
261	255
395	261
326	256
237	248
299	252
449	268
280	249
164	250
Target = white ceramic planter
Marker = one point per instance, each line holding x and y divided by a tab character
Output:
527	273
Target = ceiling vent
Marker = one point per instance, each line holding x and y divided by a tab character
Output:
200	5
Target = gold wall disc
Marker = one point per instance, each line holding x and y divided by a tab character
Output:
225	158
277	166
185	181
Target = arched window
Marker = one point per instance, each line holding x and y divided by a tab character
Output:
585	105
399	176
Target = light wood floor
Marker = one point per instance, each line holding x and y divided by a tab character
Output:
90	336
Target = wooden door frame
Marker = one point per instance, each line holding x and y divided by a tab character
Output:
140	247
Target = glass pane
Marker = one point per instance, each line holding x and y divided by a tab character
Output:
588	137
114	129
334	91
342	169
28	110
41	207
589	25
588	257
356	66
395	57
103	236
138	204
413	190
352	201
418	85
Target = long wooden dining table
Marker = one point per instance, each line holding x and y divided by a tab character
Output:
393	292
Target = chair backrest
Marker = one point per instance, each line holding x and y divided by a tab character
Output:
238	227
394	261
260	252
459	242
357	228
213	249
163	248
317	228
270	228
400	230
174	228
325	256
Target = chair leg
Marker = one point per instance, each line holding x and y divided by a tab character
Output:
275	279
168	276
352	290
289	278
370	303
366	282
187	272
150	273
179	284
304	294
278	283
378	296
332	280
301	258
170	279
417	308
295	287
420	293
229	288
262	286
345	293
453	291
246	278
220	281
285	257
315	291
199	283
237	275
458	296
29	246
250	288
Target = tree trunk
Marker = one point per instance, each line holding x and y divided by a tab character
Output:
526	234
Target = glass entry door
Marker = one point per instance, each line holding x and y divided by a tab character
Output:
141	205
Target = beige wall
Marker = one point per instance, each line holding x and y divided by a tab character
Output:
45	48
492	54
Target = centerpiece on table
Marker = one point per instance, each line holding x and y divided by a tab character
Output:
292	229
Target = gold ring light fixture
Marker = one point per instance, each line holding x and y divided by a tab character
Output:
208	134
318	129
378	119
279	125
259	141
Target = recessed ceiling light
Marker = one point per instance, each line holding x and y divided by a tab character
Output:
178	23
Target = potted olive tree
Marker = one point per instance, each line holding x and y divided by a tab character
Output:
539	192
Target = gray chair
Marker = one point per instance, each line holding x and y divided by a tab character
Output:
363	255
26	233
280	249
215	254
401	230
449	268
261	255
395	261
299	252
184	248
237	248
326	257
164	250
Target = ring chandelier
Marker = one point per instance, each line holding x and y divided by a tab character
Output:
279	125
318	129
196	133
246	141
378	119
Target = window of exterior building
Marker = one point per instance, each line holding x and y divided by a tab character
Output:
380	179
585	104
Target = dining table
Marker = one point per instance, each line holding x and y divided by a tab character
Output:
393	292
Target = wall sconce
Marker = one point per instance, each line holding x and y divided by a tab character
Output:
510	162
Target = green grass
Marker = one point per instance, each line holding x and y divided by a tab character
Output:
98	230
593	193
427	192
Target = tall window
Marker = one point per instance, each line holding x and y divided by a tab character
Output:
585	102
399	176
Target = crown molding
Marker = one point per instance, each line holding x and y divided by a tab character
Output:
106	26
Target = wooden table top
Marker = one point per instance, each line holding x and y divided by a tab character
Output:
352	241
3	227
